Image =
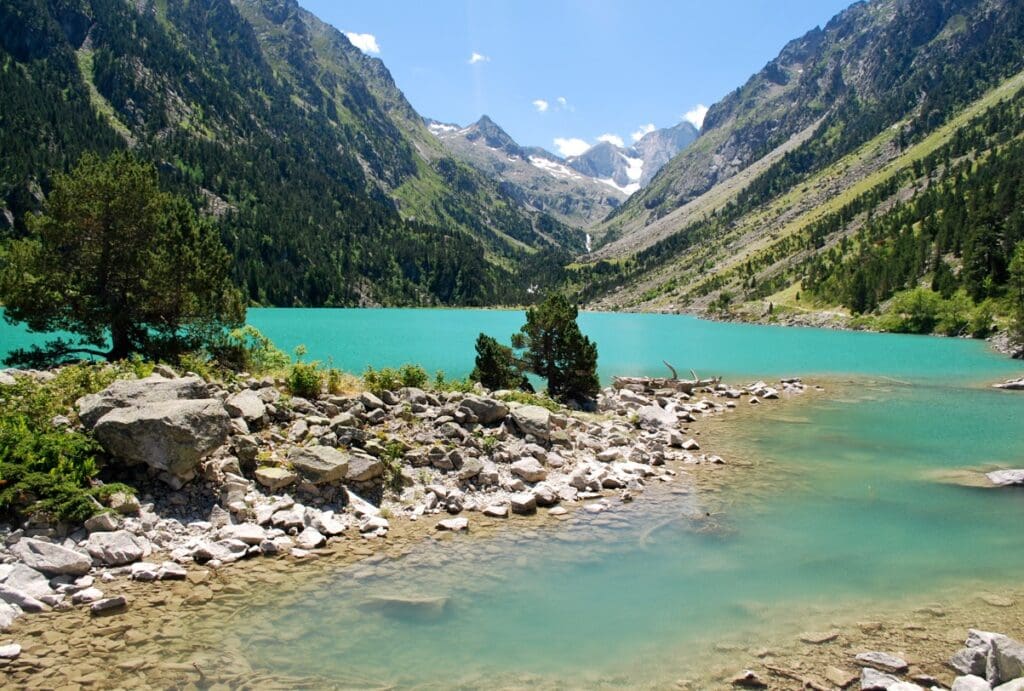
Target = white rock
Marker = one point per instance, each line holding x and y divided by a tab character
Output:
970	683
884	661
310	538
87	596
10	651
453	524
50	558
529	469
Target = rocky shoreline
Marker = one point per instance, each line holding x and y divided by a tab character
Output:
225	473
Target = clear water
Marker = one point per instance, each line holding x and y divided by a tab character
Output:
839	507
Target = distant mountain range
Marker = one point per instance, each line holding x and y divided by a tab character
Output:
579	190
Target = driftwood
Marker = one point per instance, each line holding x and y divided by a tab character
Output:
673	383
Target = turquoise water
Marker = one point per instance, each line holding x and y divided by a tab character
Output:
839	507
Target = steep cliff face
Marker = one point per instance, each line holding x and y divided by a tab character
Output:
873	65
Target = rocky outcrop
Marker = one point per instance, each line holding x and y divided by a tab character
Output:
171	436
319	464
130	393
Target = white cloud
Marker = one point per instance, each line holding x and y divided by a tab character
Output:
695	116
364	42
612	139
644	129
562	101
477	57
571	146
541	105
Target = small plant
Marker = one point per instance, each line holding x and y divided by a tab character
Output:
442	383
304	379
527	398
412	376
489	443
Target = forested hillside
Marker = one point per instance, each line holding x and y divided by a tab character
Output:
867	202
328	188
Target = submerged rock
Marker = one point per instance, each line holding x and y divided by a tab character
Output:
885	661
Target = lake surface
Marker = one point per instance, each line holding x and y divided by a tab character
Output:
840	507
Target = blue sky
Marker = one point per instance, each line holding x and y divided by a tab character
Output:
562	73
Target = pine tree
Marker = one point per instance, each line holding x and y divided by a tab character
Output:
496	366
557	350
122	265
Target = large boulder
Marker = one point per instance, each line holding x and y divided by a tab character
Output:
486	410
247	405
117	548
530	469
319	464
533	420
652	417
51	559
1006	660
173	436
275	477
364	469
134	392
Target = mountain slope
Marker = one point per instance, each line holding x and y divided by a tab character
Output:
329	187
874	65
535	178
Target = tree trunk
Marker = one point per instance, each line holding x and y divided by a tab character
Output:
120	342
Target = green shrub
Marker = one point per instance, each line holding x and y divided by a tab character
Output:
48	469
247	350
389	379
527	398
305	379
442	383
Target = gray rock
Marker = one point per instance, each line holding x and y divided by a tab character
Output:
13	596
373	524
364	469
319	464
653	417
873	680
488	475
135	392
1006	660
533	420
11	651
224	551
1015	685
50	558
487	411
249	533
972	660
29	581
247	405
545	496
171	571
471	467
102	523
748	679
884	661
327	524
117	548
970	683
310	538
145	571
7	615
496	511
286	519
87	596
173	436
275	477
369	401
529	469
110	605
453	524
523	503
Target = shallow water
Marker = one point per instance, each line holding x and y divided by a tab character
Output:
838	507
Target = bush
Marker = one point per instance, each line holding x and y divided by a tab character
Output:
389	379
443	383
248	350
46	468
557	350
305	379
